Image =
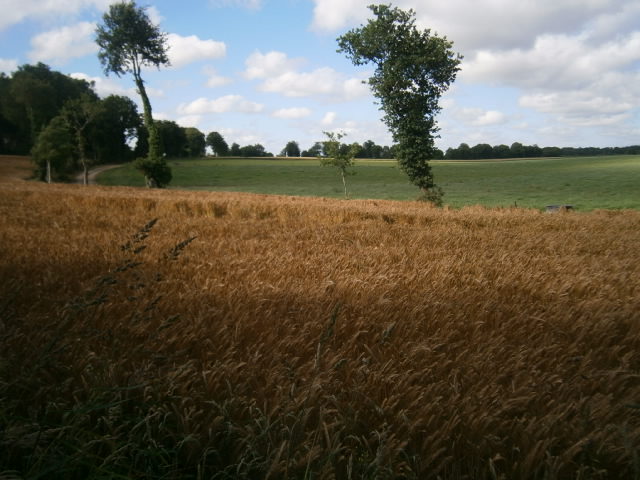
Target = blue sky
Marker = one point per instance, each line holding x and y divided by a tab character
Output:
549	72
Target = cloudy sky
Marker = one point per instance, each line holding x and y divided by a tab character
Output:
549	72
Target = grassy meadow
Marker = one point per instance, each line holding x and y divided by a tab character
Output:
179	334
588	183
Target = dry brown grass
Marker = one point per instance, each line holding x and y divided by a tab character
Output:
13	167
315	338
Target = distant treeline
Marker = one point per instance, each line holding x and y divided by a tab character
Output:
518	150
62	122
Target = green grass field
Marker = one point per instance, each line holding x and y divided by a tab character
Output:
588	183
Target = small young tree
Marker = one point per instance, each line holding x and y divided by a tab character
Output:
128	41
339	156
53	151
80	114
413	69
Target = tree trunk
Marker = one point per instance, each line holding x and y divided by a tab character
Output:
154	140
48	171
151	182
344	183
83	160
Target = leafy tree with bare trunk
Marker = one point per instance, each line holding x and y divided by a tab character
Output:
413	68
129	41
53	151
218	144
81	114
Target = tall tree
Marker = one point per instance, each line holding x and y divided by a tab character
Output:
53	150
413	69
292	149
80	114
218	144
29	99
195	142
235	150
173	139
115	127
128	41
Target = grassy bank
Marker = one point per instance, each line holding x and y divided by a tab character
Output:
247	336
588	183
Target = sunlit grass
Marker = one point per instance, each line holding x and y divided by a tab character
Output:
588	183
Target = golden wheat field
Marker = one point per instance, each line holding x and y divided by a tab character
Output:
248	336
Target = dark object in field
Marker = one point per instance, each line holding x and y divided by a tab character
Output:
558	208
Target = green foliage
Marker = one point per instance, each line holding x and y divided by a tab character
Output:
256	150
518	150
128	40
413	69
316	150
116	124
29	99
235	150
339	156
218	144
292	149
54	150
195	142
80	114
34	94
156	171
173	138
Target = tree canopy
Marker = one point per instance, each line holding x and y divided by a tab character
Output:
291	149
196	142
218	144
128	41
413	69
29	99
53	151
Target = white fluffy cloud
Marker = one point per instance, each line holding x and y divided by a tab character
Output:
15	11
189	121
328	119
185	50
330	15
8	65
580	108
61	45
487	23
108	86
576	79
105	86
227	103
271	64
279	74
215	80
478	117
292	113
554	61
